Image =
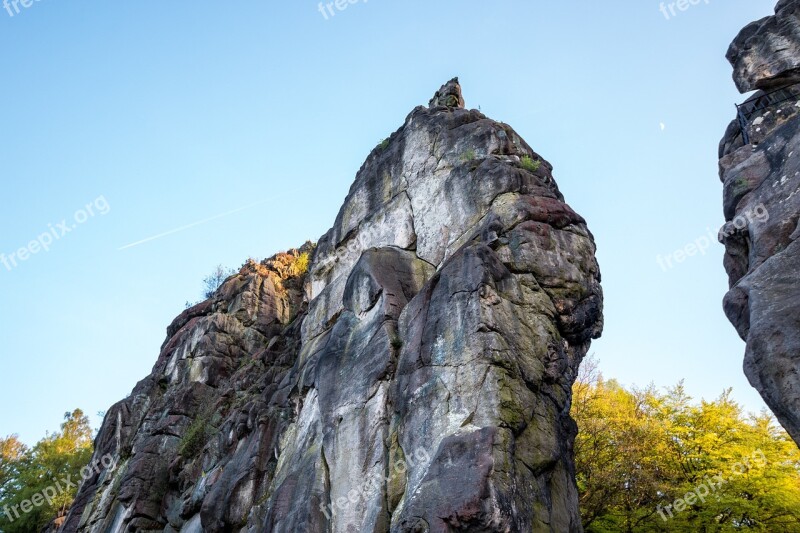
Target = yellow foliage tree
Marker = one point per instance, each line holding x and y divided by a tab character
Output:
650	461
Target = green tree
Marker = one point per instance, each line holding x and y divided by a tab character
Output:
11	452
649	461
43	468
618	453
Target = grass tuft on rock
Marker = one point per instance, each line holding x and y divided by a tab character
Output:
530	164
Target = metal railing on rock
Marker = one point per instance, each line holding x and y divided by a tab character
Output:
754	106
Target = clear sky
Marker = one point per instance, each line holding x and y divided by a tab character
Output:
165	114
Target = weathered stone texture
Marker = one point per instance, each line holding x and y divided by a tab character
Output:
419	381
761	183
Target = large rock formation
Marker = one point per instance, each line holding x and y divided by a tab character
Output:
760	170
416	378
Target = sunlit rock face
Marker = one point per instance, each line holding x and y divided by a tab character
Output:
417	378
761	182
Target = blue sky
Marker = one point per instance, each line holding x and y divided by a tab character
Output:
175	112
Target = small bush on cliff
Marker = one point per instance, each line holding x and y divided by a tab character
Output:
300	265
530	164
214	281
282	266
469	155
396	341
197	434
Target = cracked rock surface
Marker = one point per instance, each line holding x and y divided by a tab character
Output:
416	379
761	184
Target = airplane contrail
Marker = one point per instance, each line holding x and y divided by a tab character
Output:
193	224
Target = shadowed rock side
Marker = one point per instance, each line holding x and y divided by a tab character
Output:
421	382
762	206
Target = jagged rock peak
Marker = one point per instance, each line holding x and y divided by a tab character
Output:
766	53
448	96
417	377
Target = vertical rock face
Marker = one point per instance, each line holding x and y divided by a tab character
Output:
760	171
420	381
